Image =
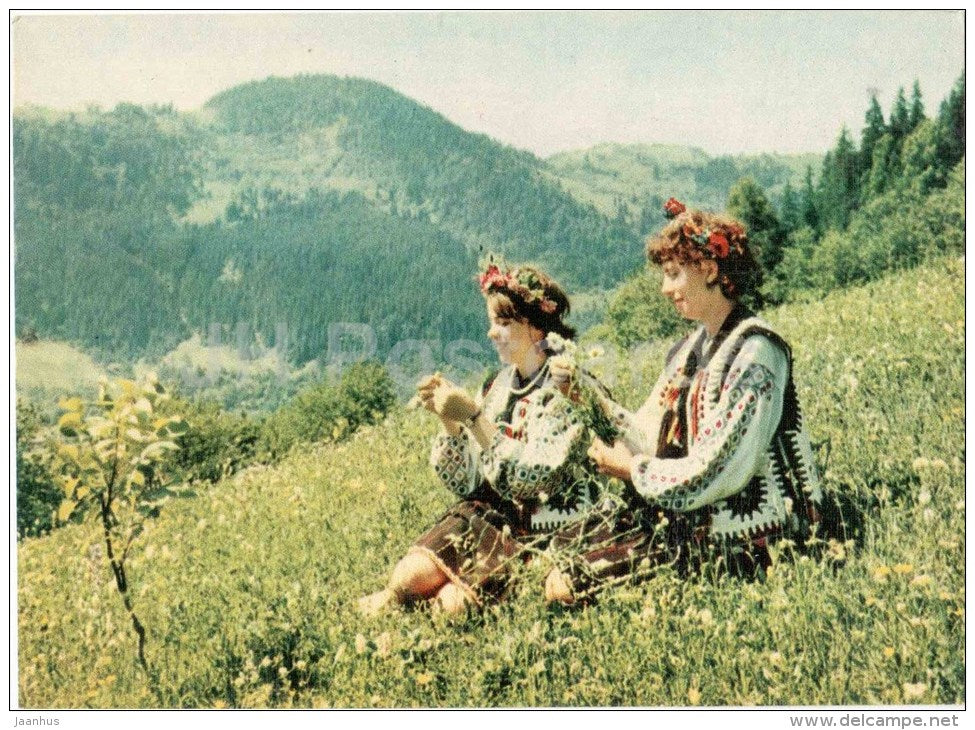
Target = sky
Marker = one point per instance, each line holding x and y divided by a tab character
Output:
725	81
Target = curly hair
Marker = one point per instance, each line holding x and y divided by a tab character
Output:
695	236
510	303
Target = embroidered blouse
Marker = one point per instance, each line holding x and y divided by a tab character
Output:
722	432
536	458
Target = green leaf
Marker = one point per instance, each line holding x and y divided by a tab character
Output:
70	404
69	423
65	510
156	450
69	485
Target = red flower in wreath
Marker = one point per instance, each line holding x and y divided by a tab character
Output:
673	208
718	244
493	277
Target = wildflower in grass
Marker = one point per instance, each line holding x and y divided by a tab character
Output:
384	644
903	568
888	652
914	691
423	678
923	497
921	463
694	696
880	574
921	580
360	644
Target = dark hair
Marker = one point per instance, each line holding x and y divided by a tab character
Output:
738	271
510	303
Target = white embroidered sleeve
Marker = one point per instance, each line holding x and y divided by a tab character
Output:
541	457
455	461
732	438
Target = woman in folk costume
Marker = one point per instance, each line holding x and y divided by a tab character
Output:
717	456
515	454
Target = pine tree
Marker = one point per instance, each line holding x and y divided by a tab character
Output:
916	114
839	183
874	128
900	118
881	169
951	126
810	207
747	202
791	216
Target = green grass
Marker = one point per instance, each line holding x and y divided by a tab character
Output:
248	590
48	369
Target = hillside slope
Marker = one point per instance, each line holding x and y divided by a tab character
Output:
248	590
643	176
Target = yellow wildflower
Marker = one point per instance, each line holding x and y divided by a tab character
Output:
384	644
921	580
880	574
424	678
694	696
903	568
360	644
888	652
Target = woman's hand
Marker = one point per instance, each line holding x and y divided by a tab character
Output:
425	389
453	402
449	401
611	460
562	370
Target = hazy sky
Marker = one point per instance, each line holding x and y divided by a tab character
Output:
725	81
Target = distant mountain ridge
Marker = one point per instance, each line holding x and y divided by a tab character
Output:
328	199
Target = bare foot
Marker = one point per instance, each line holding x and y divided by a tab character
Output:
374	603
450	599
557	588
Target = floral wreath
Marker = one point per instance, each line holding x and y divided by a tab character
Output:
708	240
522	282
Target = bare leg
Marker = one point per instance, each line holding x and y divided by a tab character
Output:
557	588
415	576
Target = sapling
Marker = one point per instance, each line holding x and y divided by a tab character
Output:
110	457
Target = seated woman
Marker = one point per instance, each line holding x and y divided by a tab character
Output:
717	455
515	455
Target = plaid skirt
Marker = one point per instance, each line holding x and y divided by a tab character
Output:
617	544
477	547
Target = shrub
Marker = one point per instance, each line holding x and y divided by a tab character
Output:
638	313
216	443
328	411
37	494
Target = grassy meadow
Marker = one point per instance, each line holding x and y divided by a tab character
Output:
248	590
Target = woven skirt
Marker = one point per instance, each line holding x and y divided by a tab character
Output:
477	548
619	544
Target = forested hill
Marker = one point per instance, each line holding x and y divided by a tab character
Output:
303	201
411	161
